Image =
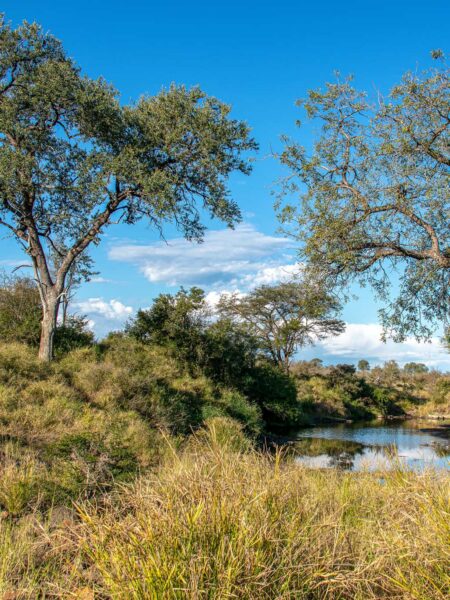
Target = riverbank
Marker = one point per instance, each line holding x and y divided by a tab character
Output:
123	475
215	521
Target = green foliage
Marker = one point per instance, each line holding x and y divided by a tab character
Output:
20	310
275	392
363	365
354	392
284	317
414	368
374	195
175	321
73	160
229	353
339	392
225	352
21	315
344	378
73	334
441	392
386	401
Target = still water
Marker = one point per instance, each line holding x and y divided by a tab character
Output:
379	444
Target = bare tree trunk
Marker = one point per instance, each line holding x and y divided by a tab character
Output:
48	326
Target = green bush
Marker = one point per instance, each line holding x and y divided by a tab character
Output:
441	391
275	393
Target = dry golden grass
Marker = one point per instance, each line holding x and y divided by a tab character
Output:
216	523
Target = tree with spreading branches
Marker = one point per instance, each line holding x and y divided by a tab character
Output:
284	317
73	160
374	196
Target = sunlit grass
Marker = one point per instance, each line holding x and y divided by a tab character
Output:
216	524
219	523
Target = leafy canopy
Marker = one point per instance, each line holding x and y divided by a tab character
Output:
176	320
285	317
374	195
73	160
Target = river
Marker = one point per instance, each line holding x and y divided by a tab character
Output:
378	444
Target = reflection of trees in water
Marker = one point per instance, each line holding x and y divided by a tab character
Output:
347	454
341	453
441	449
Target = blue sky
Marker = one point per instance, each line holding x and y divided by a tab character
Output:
259	57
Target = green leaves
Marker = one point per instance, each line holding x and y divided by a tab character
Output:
284	317
374	195
73	160
66	141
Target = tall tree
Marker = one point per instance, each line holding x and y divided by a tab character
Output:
73	160
284	317
375	195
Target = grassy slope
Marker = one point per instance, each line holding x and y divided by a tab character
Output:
103	496
78	426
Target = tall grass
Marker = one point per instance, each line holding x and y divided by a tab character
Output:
219	523
102	497
216	524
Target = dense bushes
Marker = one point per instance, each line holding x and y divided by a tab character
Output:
97	416
21	315
224	352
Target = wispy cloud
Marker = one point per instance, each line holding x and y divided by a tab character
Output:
225	257
103	315
100	280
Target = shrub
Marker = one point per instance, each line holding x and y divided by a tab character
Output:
275	393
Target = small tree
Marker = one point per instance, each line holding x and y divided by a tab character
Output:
285	317
73	160
391	372
375	195
413	368
177	321
363	365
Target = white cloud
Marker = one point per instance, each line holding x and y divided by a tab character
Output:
271	275
213	297
226	256
363	341
112	310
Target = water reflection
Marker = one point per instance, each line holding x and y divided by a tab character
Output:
353	446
